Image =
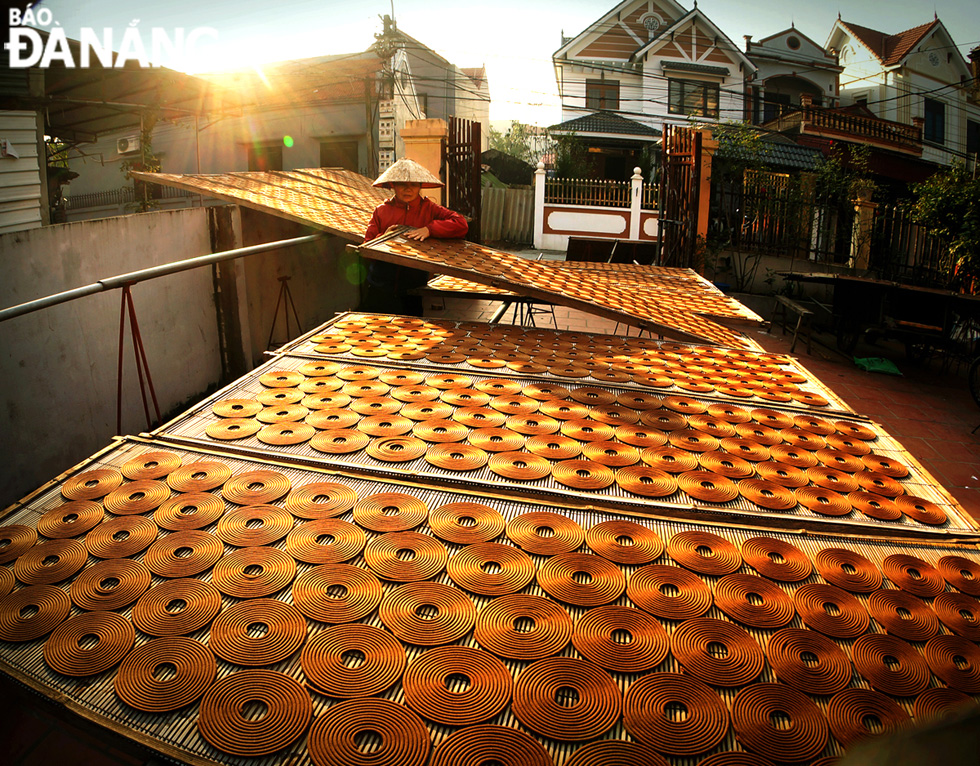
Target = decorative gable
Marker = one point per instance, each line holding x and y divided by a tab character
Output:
626	28
695	41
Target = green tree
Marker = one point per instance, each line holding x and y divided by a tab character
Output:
517	141
146	162
571	156
948	205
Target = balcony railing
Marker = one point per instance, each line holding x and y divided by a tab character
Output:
815	120
586	191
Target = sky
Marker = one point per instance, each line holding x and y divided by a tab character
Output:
514	39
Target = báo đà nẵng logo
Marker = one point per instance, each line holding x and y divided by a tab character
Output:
35	39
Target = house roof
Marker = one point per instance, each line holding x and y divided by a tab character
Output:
606	122
695	16
683	66
776	151
476	74
890	49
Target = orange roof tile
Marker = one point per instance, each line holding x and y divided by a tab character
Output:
890	49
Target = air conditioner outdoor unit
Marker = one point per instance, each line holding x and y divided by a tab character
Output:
128	145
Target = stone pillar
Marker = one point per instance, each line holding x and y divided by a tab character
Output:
538	233
709	146
636	203
864	216
423	143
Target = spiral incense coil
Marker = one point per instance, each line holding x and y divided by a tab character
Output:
468	398
693	645
390	512
324	400
940	702
891	665
123	536
318	368
275	397
903	615
70	519
729	413
479	417
646	481
427	411
962	573
495	440
793	456
959	613
67	650
515	404
154	464
624	542
231	632
913	575
826	502
854	430
401	377
545	533
852	712
648	717
498	386
198	477
707	486
545	392
614	415
320	500
286	434
772	418
878	483
640	436
136	497
357	373
597	638
385	425
754	601
704	552
810	399
15	539
282	379
725	464
559	578
875	506
759	434
588	430
767	494
254	525
424	556
684	405
414	393
553	446
664	420
183	554
523	627
396	449
487	743
741	758
440	431
582	474
341	441
91	485
830	610
745	449
326	660
776	559
336	593
669	592
189	510
448	358
711	425
427	613
403	739
325	541
955	661
826	669
848	570
466	523
194	668
693	441
32	612
224	724
849	444
592	396
800	738
491	569
841	461
782	474
110	584
286	413
51	562
885	465
921	510
519	465
332	348
256	487
7	580
253	572
176	607
537	694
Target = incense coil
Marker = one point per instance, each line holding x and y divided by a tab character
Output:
826	502
684	405
783	474
336	593
479	417
801	739
826	669
903	615
582	474
286	413
7	580
940	702
725	464
851	445
482	744
711	425
154	464
341	541
544	627
427	411
669	592
231	641
587	430
640	436
704	552
15	540
396	449
357	372
614	415
707	486
793	456
597	699
771	418
109	585
692	644
921	510
235	527
533	425
545	533
732	596
848	619
669	459
70	555
253	572
875	506
841	461
767	494
428	691
325	665
959	613
375	406
121	537
891	665
596	634
70	519
664	420
91	485
610	375
414	392
320	500
848	570
341	441
401	377
201	476
386	425
390	512
962	573
467	398
495	440
809	398
286	434
624	542
498	386
955	661
318	368
850	709
776	559
466	523
553	446
273	397
519	465
647	714
176	607
491	569
162	557
189	510
855	430
527	368
870	481
646	481
382	555
913	575
46	607
729	413
592	396
486	362
773	395
741	758
64	653
758	433
281	379
746	449
256	487
194	670
332	419
136	497
514	404
401	737
544	392
222	721
440	431
427	613
814	425
605	581
693	441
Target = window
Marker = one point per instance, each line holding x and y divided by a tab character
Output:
339	154
694	98
602	94
265	157
972	137
934	129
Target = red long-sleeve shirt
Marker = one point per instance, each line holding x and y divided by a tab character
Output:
441	221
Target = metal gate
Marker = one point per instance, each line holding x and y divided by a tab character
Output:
461	163
680	192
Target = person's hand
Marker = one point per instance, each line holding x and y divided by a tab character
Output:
419	234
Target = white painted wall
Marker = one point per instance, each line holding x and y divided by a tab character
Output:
20	180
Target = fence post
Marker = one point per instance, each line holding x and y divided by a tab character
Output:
864	211
538	233
636	203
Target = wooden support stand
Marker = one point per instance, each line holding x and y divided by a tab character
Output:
783	309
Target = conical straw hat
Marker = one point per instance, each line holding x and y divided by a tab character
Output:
408	171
